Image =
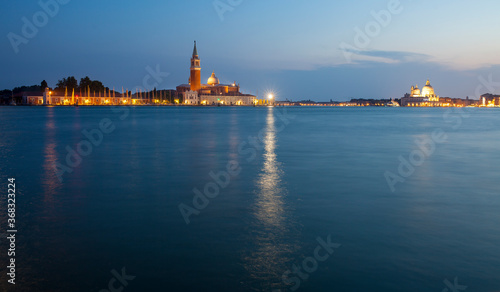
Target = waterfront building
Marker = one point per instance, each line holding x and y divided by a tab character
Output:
489	100
426	97
50	97
32	98
213	92
422	97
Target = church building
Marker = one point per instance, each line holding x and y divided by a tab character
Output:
424	97
213	92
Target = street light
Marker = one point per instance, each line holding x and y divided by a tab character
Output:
270	97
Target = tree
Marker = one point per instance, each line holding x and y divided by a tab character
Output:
43	85
86	86
96	86
85	83
31	88
70	83
5	96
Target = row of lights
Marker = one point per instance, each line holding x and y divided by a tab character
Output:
270	97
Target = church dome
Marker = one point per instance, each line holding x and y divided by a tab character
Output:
213	80
428	90
416	91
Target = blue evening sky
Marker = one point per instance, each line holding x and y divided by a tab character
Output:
293	48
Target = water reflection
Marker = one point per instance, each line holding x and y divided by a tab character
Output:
272	231
50	182
234	137
269	209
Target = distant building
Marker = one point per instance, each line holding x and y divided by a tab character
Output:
32	98
369	102
490	100
428	98
49	97
283	103
213	92
424	97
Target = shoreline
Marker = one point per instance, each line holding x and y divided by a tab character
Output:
243	106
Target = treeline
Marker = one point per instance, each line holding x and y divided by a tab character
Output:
84	87
85	84
19	89
69	83
9	95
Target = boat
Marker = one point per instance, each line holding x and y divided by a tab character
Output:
393	103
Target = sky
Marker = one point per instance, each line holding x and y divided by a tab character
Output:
317	50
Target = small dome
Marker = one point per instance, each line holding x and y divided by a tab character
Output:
415	92
213	80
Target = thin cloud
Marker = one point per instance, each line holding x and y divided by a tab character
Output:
390	56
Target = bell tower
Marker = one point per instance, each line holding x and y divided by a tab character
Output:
195	79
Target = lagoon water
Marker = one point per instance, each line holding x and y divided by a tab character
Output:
305	174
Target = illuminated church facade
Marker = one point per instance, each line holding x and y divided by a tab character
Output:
213	92
421	97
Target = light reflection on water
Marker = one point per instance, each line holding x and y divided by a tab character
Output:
50	182
234	137
273	227
270	192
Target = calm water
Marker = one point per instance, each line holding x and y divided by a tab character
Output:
309	173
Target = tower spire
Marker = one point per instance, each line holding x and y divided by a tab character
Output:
195	79
195	50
